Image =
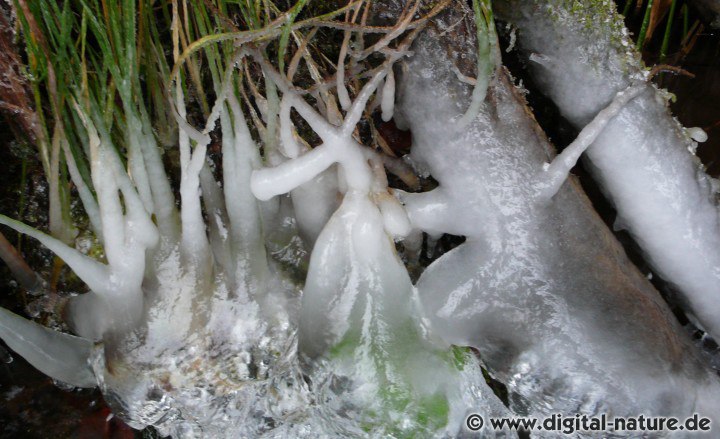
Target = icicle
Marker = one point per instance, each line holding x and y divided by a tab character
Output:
413	243
314	203
109	176
395	218
270	141
111	213
89	315
163	198
388	97
60	356
316	200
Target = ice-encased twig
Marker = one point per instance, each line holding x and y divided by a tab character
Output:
557	171
643	159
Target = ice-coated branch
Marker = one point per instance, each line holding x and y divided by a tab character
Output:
218	221
342	92
281	179
556	172
355	111
644	159
428	211
338	145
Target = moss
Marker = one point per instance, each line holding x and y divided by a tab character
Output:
393	362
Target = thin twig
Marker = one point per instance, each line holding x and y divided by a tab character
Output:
668	69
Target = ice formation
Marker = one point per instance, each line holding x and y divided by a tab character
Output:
221	330
553	305
643	159
359	321
196	331
58	355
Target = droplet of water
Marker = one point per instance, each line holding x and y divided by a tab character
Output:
697	134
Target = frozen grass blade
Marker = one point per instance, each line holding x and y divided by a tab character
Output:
61	356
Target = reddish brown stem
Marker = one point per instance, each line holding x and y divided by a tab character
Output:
29	280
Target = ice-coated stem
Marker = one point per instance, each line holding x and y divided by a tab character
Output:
291	147
241	156
88	200
342	92
269	182
136	161
92	272
60	356
428	211
194	239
